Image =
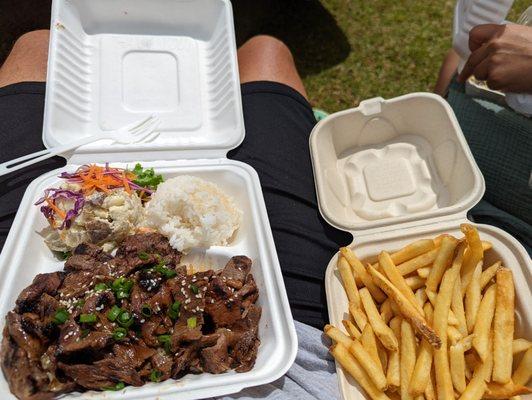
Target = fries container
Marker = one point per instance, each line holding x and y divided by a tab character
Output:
114	62
394	171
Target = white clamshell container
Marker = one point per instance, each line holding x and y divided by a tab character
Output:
394	171
114	62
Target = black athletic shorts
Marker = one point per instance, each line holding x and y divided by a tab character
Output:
278	122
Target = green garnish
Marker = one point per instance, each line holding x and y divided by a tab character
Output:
113	313
118	386
146	177
87	318
100	287
146	310
167	272
164	338
155	376
60	316
194	289
192	322
85	332
63	255
173	311
125	319
80	303
119	333
122	287
144	256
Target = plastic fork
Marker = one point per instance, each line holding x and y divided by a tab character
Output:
136	132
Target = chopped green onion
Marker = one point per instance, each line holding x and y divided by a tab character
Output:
121	294
118	283
87	318
119	333
85	332
118	386
125	319
164	338
80	303
176	306
173	310
167	272
122	287
60	316
155	376
146	310
194	289
113	313
144	256
192	322
100	287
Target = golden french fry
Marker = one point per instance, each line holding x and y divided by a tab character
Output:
417	263
430	392
397	279
452	320
408	358
474	254
503	326
444	385
358	315
523	371
520	345
348	281
453	335
482	328
415	282
386	311
421	297
457	363
351	329
443	260
506	391
457	307
353	368
424	272
421	374
410	251
361	275
477	385
383	355
393	370
406	308
372	369
369	342
337	335
488	274
383	331
472	298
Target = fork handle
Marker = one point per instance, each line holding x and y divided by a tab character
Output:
30	159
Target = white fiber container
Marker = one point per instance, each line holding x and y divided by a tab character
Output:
394	171
114	62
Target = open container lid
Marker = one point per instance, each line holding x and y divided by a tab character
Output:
115	62
389	164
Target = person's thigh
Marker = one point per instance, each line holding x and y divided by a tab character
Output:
278	123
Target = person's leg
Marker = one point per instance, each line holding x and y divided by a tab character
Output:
278	121
22	90
265	58
27	60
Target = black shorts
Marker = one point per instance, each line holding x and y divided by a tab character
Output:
278	122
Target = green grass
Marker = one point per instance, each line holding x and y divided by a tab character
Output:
395	47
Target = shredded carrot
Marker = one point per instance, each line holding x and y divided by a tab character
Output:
57	210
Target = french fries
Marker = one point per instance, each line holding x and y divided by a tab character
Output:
462	314
503	326
472	298
361	275
483	323
383	332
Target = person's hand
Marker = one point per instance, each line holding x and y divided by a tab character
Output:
501	55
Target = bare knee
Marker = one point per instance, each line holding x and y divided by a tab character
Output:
266	58
27	60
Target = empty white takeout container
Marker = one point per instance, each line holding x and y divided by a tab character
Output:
114	62
394	171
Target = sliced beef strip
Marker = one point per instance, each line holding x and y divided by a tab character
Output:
43	283
98	301
93	251
216	359
162	362
94	341
135	354
29	343
224	313
84	262
236	270
148	330
153	244
76	284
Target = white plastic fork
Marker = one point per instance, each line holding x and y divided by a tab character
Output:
136	132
